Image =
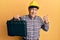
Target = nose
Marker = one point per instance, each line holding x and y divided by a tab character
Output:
33	11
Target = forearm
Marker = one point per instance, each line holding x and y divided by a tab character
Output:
45	26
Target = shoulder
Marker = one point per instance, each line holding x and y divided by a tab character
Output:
38	17
24	17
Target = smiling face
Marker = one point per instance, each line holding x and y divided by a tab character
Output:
33	12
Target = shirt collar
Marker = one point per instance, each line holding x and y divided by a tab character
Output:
31	17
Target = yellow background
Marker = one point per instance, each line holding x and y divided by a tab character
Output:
9	8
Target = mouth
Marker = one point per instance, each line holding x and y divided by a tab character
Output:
33	13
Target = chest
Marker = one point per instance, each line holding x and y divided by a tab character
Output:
34	25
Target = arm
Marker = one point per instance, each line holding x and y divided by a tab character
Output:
44	25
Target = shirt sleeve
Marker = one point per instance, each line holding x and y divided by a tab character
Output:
44	26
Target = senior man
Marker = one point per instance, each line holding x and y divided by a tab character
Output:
34	22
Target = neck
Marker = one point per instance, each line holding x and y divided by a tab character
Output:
31	17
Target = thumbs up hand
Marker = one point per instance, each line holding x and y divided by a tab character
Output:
45	18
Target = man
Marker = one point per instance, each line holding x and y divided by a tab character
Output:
34	22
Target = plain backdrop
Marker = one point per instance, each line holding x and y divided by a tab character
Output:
9	8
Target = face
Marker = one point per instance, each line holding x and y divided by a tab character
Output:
33	12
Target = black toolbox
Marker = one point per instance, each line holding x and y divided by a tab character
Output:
17	28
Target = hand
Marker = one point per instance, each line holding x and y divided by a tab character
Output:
16	17
45	18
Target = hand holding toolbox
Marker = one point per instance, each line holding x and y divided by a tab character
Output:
17	28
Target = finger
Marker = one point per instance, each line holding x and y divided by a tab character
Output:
46	16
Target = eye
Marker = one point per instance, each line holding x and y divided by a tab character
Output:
35	9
